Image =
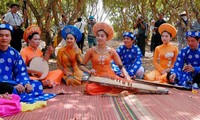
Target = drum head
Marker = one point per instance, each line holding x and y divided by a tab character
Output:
40	64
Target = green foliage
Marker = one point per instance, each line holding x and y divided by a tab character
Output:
122	14
5	5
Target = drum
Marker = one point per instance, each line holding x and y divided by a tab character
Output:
41	65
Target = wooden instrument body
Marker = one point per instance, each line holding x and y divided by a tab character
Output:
39	64
160	84
126	85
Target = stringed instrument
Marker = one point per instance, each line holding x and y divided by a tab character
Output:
155	83
126	85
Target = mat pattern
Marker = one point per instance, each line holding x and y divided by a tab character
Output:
76	105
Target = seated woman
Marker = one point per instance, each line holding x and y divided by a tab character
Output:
164	55
131	57
186	70
101	55
32	36
14	78
69	57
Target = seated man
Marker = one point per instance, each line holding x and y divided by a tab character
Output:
131	57
186	70
13	72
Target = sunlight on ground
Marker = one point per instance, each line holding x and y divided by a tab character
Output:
68	106
196	117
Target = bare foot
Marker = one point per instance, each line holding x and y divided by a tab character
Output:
47	84
122	94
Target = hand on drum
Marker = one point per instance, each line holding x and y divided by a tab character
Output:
39	74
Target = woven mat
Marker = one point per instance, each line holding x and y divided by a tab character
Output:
177	105
76	105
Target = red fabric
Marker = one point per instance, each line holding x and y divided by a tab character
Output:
96	89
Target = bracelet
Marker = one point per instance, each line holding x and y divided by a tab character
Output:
120	66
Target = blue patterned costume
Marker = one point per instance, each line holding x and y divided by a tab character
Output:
131	59
186	56
13	71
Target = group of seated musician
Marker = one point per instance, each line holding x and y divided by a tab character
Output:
124	63
14	78
181	69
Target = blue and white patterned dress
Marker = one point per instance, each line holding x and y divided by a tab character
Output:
189	57
14	71
131	59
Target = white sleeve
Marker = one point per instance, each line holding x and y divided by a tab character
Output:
7	18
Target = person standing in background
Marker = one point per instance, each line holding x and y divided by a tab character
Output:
81	26
182	29
63	22
196	24
91	38
58	40
141	35
157	36
14	19
152	32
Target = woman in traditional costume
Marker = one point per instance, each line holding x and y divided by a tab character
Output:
69	57
32	36
164	56
100	56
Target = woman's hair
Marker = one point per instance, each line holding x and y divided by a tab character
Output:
103	31
167	32
72	35
31	36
